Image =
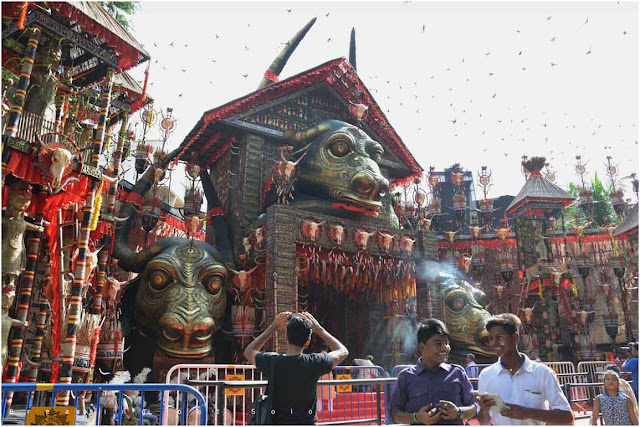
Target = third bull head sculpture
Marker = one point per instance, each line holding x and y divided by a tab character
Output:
341	164
464	310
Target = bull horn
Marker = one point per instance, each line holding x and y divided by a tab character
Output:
271	75
231	269
43	145
352	49
253	269
103	373
128	259
282	156
306	135
300	159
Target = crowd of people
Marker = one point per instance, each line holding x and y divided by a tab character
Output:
516	390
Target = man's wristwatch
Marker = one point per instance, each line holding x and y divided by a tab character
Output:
459	415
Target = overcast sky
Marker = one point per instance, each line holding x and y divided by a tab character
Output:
475	83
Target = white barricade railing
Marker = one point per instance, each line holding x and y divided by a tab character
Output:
592	367
237	401
562	367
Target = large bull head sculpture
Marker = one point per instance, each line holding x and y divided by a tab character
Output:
341	164
463	308
179	295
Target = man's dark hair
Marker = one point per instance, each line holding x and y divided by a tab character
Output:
431	327
299	330
324	346
471	356
507	321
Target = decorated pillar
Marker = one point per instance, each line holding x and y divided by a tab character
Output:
74	310
36	350
26	287
21	90
17	105
281	258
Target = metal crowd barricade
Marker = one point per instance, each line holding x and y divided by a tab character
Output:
189	394
236	401
338	402
561	367
592	367
354	415
583	404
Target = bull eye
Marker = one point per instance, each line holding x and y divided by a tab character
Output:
339	148
457	303
212	283
159	279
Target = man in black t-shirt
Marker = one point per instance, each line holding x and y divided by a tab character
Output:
295	374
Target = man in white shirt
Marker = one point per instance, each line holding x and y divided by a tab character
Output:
528	393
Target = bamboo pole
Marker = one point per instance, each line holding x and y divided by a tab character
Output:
26	287
74	309
36	351
20	94
104	256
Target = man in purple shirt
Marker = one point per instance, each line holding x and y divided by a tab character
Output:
432	392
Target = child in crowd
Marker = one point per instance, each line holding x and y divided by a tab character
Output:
617	408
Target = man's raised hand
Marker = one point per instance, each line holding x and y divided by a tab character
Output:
314	321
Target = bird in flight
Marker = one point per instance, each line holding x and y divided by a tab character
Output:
549	18
453	121
217	36
245	75
553	38
246	47
589	51
289	10
327	14
491	74
553	64
424	27
493	96
171	44
154	44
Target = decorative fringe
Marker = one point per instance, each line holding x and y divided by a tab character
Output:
96	210
23	15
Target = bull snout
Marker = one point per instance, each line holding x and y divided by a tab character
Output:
368	188
186	337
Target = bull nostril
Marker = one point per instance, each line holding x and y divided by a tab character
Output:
171	333
363	184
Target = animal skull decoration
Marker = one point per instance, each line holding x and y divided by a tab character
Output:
424	223
259	236
475	232
406	245
466	263
503	233
242	278
310	229
59	156
286	168
450	236
337	234
528	314
385	241
361	238
499	290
